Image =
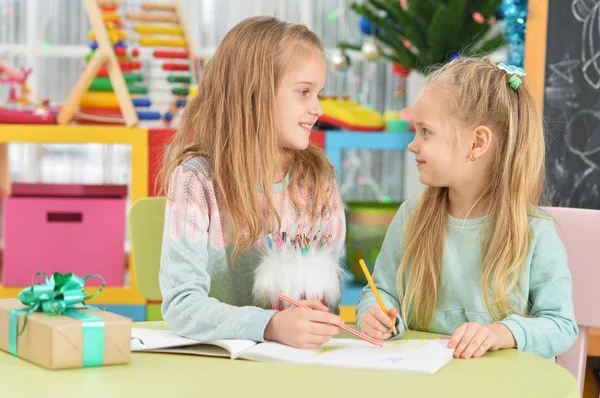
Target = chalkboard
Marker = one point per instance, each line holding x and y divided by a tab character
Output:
572	103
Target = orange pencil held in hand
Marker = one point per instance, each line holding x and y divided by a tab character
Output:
376	294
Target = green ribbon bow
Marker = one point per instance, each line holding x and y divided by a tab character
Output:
515	73
514	82
62	294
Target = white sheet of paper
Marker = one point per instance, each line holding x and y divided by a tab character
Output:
418	356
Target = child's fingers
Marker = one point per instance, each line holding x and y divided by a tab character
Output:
470	332
475	343
315	305
457	336
393	312
371	326
484	347
371	322
373	332
325	317
322	329
379	323
382	317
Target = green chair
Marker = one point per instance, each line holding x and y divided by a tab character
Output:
146	219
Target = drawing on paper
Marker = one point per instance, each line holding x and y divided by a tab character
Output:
405	345
326	349
392	359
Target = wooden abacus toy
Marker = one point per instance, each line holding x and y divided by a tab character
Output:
101	103
109	90
162	27
103	100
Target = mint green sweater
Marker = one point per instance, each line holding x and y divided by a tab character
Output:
550	328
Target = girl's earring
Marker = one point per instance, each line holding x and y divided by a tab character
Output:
472	158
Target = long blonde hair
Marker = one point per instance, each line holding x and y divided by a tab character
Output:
481	95
232	123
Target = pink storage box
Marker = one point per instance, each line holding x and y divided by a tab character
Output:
64	228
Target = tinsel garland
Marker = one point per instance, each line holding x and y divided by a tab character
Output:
515	21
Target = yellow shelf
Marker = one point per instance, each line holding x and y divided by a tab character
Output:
136	137
126	295
73	134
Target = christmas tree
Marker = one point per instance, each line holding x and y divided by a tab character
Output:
418	34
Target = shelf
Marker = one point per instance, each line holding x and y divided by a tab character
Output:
337	141
110	295
136	137
73	134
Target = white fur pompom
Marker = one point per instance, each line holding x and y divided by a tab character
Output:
312	276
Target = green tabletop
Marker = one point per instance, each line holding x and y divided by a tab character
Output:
506	373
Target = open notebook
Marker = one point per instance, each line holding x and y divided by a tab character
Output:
416	356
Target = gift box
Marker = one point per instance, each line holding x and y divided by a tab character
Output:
51	326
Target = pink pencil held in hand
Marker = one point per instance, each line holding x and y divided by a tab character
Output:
344	327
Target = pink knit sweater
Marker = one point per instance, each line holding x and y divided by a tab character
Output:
208	296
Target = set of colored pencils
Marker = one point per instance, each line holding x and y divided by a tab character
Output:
300	242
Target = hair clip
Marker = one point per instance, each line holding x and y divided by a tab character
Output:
515	74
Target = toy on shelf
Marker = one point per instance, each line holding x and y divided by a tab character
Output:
104	60
406	114
21	107
101	101
15	78
341	113
162	27
110	90
398	121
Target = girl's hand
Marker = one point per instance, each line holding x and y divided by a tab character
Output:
472	340
304	328
377	323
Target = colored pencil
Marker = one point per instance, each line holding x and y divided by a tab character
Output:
376	293
344	327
